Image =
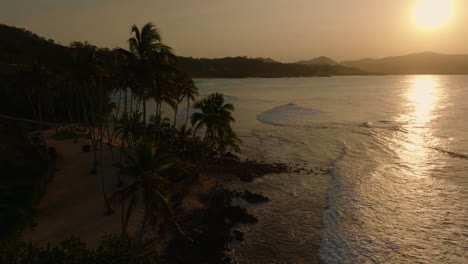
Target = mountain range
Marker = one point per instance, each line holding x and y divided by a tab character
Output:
416	63
322	60
19	46
22	47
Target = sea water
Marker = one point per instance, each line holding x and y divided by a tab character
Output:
394	152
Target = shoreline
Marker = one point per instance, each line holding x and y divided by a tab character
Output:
64	212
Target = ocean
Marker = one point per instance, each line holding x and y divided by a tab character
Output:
394	156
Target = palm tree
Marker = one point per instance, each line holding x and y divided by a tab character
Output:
215	115
228	140
148	171
89	77
128	126
148	50
189	91
177	96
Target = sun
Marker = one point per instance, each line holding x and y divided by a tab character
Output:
430	14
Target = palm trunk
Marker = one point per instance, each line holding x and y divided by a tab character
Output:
187	116
101	171
175	114
143	225
128	214
158	111
102	118
142	232
144	113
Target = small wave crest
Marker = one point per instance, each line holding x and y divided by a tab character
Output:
450	153
384	124
286	114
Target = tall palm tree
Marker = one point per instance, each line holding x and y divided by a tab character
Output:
89	77
189	90
148	50
177	96
215	115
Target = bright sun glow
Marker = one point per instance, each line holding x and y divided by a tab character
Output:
430	14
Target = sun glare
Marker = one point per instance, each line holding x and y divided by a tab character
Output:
430	14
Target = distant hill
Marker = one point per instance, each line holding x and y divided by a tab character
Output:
267	60
323	60
242	67
417	63
19	46
22	47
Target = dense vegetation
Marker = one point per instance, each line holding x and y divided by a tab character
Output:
25	170
22	47
112	249
157	158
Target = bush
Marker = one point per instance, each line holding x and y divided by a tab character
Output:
113	249
24	172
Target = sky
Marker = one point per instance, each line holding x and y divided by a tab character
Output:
285	30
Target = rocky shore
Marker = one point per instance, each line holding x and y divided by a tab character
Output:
212	228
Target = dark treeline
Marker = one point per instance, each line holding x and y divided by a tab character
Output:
242	67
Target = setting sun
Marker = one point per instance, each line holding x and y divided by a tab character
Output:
430	14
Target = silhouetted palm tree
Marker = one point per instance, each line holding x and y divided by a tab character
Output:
189	90
149	52
215	115
129	127
90	79
148	171
228	140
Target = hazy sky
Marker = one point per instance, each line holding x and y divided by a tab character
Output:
285	30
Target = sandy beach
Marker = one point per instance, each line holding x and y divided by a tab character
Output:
73	204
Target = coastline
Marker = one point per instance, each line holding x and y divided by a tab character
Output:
73	204
271	240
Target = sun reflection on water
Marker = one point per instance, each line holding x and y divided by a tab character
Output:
422	97
421	100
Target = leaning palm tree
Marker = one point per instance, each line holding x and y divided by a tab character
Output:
215	115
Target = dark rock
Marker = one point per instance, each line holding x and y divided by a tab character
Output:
254	198
238	235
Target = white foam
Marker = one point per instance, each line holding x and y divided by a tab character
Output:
288	114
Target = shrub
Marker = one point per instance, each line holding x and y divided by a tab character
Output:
112	249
